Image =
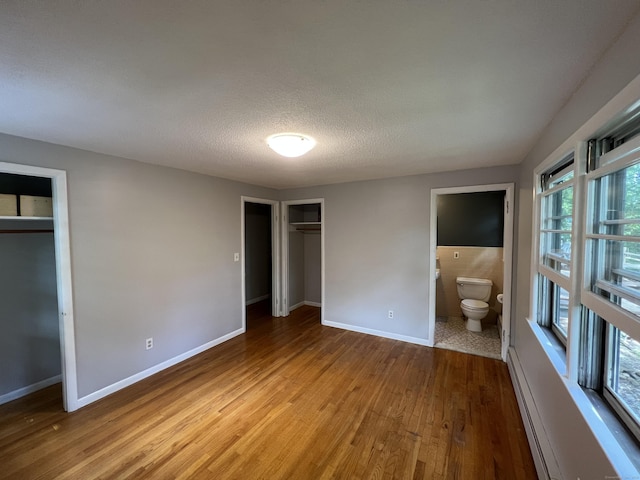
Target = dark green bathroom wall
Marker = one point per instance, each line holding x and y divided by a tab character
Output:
471	219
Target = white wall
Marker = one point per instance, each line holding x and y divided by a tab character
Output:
29	337
377	247
151	254
578	451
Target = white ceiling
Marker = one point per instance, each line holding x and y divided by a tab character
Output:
386	87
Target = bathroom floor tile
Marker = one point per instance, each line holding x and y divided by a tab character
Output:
453	335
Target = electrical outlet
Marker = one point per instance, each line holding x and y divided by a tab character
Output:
390	313
149	343
456	254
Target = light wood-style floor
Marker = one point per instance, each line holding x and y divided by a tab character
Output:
290	399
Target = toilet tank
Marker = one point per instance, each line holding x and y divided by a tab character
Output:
474	288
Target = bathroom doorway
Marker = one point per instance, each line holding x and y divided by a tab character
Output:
481	251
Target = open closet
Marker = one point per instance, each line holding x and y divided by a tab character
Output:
302	251
30	335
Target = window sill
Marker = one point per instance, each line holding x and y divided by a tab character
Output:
616	442
552	346
624	438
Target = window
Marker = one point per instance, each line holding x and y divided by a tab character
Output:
554	311
621	383
612	273
588	265
557	218
614	236
556	236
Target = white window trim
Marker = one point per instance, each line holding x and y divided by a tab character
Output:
624	156
578	152
625	101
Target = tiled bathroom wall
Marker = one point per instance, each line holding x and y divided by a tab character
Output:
480	262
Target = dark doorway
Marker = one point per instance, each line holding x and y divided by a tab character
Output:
258	261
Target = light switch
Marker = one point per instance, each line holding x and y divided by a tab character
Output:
236	257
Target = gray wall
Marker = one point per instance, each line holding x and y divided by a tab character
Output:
257	250
312	268
296	268
152	256
577	450
29	335
377	247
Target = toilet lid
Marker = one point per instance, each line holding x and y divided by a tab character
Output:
474	304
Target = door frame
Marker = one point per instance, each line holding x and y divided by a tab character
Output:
64	284
276	310
285	253
507	276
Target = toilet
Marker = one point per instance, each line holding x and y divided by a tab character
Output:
474	293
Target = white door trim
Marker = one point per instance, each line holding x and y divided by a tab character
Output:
285	253
508	188
275	255
63	275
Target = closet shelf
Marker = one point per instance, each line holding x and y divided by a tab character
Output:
2	231
18	217
17	224
307	227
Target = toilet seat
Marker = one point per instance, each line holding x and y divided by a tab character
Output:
474	304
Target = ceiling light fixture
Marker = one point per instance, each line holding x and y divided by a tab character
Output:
290	144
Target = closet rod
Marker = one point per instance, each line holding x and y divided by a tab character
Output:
26	231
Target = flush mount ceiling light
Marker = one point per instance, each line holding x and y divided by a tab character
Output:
290	144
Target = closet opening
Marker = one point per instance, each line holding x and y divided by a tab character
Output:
260	260
303	254
36	320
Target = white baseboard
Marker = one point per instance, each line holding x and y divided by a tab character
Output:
377	333
297	305
257	299
92	397
543	457
305	302
21	392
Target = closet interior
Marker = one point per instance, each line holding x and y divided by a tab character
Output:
30	338
304	255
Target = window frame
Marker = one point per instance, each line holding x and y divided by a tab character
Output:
614	439
618	319
616	160
612	398
549	281
578	283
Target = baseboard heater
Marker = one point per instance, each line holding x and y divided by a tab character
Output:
543	457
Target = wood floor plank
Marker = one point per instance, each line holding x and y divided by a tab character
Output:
288	399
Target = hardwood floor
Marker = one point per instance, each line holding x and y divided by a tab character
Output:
290	399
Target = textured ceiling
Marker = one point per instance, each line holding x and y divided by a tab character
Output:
386	87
